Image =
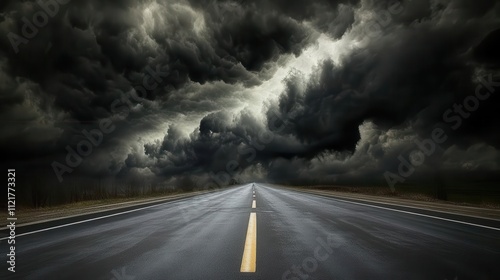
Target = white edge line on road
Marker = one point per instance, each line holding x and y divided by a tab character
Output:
402	211
158	201
409	206
84	221
101	217
417	214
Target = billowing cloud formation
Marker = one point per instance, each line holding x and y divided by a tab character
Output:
286	91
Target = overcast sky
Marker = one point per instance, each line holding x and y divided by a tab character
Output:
284	91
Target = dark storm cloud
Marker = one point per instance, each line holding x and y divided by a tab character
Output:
89	53
333	17
487	52
349	120
389	83
406	77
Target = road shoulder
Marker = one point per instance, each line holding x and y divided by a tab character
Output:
467	214
35	220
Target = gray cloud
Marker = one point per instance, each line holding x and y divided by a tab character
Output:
348	121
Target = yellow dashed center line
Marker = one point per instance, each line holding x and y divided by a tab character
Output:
254	205
248	263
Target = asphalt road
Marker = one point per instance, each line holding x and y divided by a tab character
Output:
292	236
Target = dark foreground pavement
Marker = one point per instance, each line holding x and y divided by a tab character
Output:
299	236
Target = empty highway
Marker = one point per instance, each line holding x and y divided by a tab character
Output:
260	232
